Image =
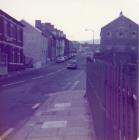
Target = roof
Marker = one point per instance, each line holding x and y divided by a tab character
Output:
26	23
13	19
119	18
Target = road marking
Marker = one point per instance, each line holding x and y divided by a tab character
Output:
52	73
134	97
36	106
14	83
37	77
6	133
54	124
55	109
74	85
62	105
52	94
61	70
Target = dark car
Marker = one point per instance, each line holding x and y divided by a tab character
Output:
72	64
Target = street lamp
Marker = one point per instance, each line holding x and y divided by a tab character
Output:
91	30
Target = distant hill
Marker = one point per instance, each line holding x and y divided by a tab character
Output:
96	41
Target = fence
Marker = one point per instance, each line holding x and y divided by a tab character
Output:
112	94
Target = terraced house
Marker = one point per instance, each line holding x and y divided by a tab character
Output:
35	46
11	43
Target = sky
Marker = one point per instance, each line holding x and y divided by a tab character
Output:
72	16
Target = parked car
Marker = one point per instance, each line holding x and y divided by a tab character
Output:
60	59
72	64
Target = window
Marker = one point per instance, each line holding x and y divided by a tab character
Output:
9	29
13	56
108	34
14	31
19	34
133	34
5	28
18	56
121	35
1	25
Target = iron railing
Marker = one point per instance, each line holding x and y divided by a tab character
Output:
113	98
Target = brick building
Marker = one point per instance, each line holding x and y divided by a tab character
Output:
11	41
121	35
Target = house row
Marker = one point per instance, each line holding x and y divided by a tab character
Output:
58	44
23	45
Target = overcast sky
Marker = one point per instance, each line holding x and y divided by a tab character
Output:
72	16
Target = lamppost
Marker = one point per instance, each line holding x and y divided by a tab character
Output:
91	30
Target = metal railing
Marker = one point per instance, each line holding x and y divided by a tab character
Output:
113	98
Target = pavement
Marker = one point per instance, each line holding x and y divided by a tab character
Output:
26	70
64	115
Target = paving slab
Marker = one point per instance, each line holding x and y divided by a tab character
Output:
74	131
78	138
40	132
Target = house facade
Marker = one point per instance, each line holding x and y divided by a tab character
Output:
11	42
120	35
47	30
60	46
57	40
67	50
35	46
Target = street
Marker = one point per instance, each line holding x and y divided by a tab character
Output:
21	95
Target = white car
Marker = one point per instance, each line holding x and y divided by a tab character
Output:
72	64
60	59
